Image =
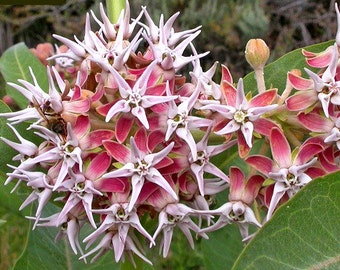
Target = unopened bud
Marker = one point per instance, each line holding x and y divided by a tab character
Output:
257	53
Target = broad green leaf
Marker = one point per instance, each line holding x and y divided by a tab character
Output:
222	248
13	233
14	65
304	233
275	73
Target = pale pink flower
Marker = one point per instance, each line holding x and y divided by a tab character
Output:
287	170
242	115
116	225
238	210
140	166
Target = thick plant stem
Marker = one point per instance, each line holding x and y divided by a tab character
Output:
114	7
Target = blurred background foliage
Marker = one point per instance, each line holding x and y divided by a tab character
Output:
227	25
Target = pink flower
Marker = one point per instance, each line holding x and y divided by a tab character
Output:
202	163
242	193
173	214
116	225
287	170
140	165
167	47
323	89
134	99
242	115
181	121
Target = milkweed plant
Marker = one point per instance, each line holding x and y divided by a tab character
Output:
126	145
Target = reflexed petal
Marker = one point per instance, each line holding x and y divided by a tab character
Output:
252	188
261	163
280	148
226	75
321	60
98	166
95	139
118	151
123	127
301	100
264	99
236	184
300	83
315	122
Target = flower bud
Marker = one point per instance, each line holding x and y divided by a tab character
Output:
257	53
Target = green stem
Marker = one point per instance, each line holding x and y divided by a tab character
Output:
259	76
114	7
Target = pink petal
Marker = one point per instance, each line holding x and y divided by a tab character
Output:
123	127
155	138
104	109
280	148
315	122
78	106
264	126
156	90
301	100
226	75
118	151
229	93
243	148
82	126
96	138
261	163
112	185
166	161
236	177
300	83
263	99
252	188
98	166
308	54
307	152
141	140
321	60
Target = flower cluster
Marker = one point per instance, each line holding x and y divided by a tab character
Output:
123	135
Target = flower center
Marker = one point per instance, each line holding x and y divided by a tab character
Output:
240	116
291	179
134	99
142	167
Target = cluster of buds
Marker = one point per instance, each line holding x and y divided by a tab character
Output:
123	135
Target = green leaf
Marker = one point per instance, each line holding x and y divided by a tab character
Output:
14	65
222	248
14	232
275	73
304	233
